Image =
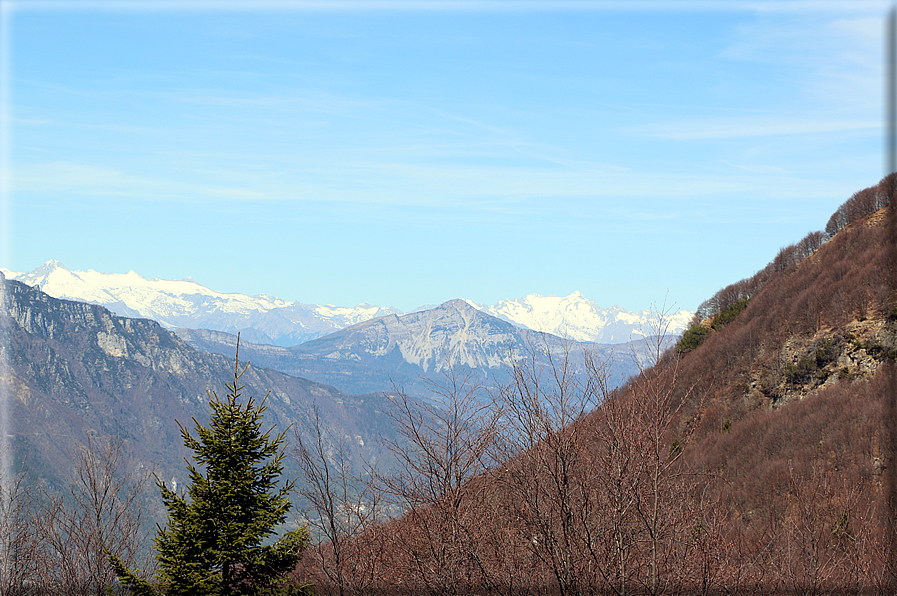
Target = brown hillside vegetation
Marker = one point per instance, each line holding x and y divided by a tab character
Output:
751	459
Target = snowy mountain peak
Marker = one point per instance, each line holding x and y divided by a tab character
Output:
53	264
578	318
267	319
185	303
47	268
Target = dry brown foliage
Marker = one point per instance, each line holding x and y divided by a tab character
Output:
699	476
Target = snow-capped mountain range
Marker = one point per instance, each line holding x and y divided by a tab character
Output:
578	318
268	320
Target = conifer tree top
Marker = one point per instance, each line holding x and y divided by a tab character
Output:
213	542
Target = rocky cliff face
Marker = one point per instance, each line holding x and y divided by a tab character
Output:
74	369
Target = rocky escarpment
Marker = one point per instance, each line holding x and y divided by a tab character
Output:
808	363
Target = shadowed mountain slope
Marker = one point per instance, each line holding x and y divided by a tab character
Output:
75	369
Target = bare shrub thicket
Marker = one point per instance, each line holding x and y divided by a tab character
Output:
547	485
440	453
641	434
55	542
802	504
21	559
101	510
340	506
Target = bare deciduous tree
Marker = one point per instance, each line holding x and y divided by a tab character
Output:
440	453
100	511
21	558
658	399
596	492
548	477
339	504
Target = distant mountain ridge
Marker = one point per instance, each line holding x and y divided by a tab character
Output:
185	303
411	351
264	319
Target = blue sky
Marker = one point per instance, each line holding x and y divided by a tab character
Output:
408	153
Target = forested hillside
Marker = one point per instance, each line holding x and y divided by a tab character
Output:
751	458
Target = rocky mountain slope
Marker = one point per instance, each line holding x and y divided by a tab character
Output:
73	369
266	320
404	351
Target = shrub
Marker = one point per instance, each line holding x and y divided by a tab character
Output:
728	315
692	338
802	371
826	351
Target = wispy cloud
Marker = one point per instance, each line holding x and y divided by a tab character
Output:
71	179
470	188
834	59
241	194
718	128
68	175
758	168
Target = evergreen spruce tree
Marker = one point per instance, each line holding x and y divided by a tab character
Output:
213	541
